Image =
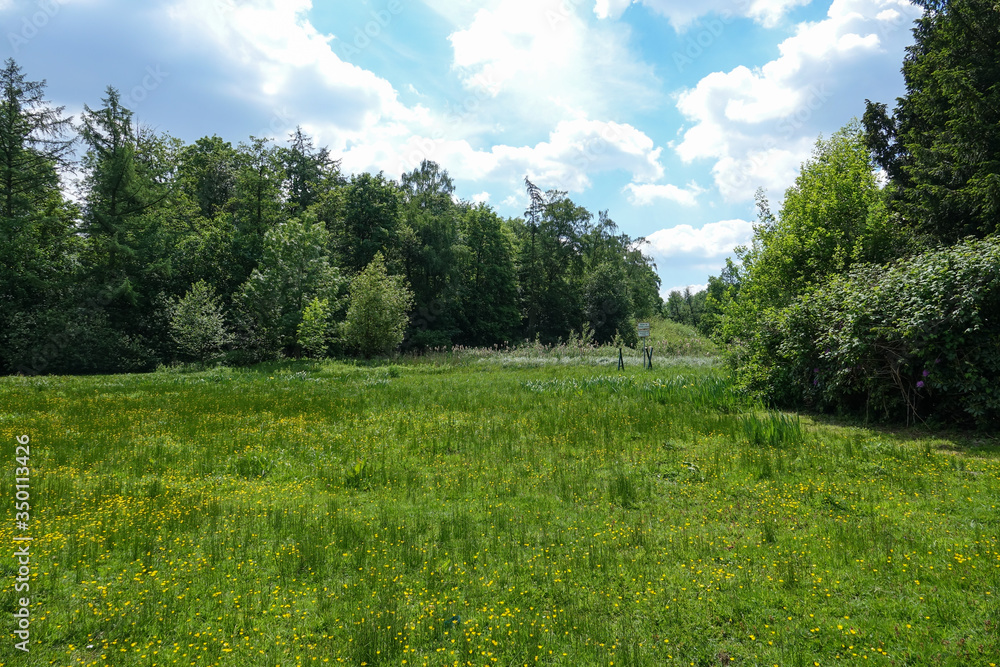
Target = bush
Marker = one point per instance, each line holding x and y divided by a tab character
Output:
916	339
68	340
197	324
377	316
315	328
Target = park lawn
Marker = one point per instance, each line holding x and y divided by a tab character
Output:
476	511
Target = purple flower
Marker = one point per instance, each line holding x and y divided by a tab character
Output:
926	372
937	361
815	370
920	385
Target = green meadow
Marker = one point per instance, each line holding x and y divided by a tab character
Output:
488	508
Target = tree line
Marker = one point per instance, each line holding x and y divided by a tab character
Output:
172	251
875	289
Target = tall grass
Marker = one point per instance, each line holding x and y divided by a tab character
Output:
452	512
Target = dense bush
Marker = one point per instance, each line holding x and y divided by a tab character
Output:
916	339
197	323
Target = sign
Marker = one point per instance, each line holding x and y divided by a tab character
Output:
643	329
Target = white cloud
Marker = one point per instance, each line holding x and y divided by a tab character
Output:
648	193
680	288
610	8
481	198
275	58
715	239
547	62
575	151
279	60
759	125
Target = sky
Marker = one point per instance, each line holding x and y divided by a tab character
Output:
669	114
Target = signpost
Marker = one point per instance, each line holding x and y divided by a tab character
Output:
647	352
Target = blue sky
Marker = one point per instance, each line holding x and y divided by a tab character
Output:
668	114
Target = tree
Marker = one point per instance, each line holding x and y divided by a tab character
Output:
37	240
608	306
378	314
127	177
551	266
429	242
207	174
294	270
603	243
833	217
308	171
371	221
197	323
257	199
489	293
941	146
128	181
32	144
315	328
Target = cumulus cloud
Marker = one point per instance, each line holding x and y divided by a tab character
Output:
758	125
715	239
481	198
575	151
279	60
649	193
544	54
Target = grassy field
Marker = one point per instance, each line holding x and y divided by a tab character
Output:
487	509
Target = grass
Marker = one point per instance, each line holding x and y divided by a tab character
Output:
468	510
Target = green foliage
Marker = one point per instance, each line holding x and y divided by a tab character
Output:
941	146
271	228
608	303
686	307
293	270
316	328
832	218
37	235
370	221
489	296
378	312
207	174
917	339
430	245
197	323
308	172
75	337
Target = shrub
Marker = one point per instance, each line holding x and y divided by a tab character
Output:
315	328
197	324
916	339
377	316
